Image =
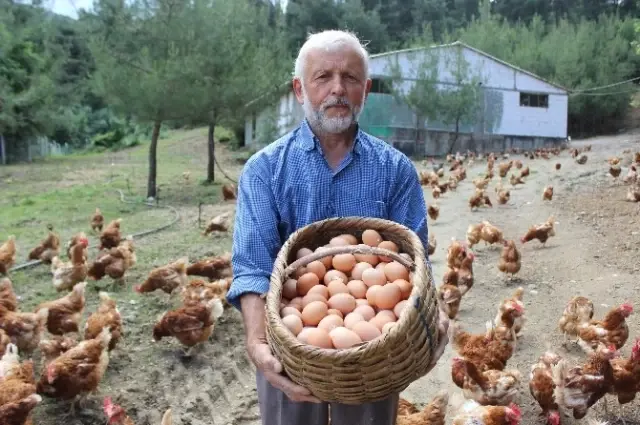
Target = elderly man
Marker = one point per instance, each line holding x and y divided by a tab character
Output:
327	167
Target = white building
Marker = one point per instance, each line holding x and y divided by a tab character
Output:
515	108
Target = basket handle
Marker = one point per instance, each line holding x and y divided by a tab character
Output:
348	249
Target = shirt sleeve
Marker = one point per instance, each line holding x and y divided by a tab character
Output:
256	239
407	205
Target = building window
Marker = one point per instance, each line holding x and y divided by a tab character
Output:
380	86
534	100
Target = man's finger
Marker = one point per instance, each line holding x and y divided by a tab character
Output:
293	391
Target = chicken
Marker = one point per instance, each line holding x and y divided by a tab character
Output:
547	193
97	221
475	414
509	261
632	176
113	263
558	166
213	267
486	351
434	211
433	413
24	329
456	253
52	348
633	194
503	197
542	388
435	192
614	160
612	330
67	275
481	184
579	310
524	172
490	234
106	316
474	234
7	296
198	291
219	223
615	171
541	232
76	239
406	408
4	342
116	415
229	192
508	304
503	168
48	248
582	159
626	375
491	387
110	237
580	387
9	359
191	325
65	313
518	164
515	180
166	278
449	297
479	199
432	244
19	412
18	382
78	371
7	255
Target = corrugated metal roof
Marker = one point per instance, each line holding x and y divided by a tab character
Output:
465	45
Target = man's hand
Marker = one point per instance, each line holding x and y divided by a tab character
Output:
261	355
443	339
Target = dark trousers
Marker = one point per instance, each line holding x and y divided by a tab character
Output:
277	409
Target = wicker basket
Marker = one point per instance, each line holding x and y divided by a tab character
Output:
372	370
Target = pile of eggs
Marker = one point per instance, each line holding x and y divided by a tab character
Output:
347	299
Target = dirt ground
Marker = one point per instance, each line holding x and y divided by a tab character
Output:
595	254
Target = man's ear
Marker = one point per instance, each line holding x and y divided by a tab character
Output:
367	88
297	89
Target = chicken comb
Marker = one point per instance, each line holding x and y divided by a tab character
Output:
516	410
627	307
107	404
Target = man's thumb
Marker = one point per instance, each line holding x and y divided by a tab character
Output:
274	365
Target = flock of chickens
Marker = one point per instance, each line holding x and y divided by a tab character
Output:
480	368
71	369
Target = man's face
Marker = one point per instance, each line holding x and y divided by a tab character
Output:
334	90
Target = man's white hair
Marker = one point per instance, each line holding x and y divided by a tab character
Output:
331	41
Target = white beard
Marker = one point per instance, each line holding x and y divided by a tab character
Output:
331	125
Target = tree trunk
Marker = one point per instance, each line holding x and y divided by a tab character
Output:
153	148
3	150
211	149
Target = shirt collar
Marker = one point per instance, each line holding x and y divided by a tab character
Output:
308	141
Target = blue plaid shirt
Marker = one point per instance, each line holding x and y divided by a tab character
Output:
288	185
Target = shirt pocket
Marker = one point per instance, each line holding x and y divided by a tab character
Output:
354	206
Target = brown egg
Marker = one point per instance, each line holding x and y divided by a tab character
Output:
349	238
333	275
293	323
319	338
296	303
360	302
302	336
343	302
314	312
344	338
356	272
321	290
289	289
372	277
344	262
366	331
337	287
331	321
357	288
395	271
283	304
299	272
335	312
339	241
317	268
388	326
309	298
371	259
365	311
372	293
380	320
290	311
324	260
351	319
390	246
380	266
303	252
405	286
371	237
306	282
397	310
387	313
388	296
